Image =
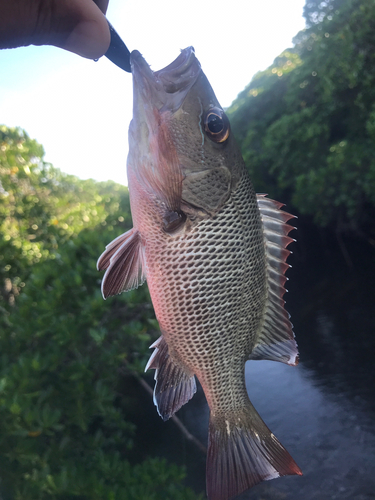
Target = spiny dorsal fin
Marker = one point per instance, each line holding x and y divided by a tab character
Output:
174	386
276	340
123	261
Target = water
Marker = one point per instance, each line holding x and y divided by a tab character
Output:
323	411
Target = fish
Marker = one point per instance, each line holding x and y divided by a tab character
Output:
214	255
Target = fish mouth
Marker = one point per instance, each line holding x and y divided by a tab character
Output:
166	88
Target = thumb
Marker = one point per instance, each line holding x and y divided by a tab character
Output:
81	28
75	25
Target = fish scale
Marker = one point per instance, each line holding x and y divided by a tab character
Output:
214	256
224	286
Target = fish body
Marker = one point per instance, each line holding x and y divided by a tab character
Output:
214	255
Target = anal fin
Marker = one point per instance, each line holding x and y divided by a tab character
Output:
242	452
276	339
123	260
174	386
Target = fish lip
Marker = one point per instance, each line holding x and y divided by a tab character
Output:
139	65
167	86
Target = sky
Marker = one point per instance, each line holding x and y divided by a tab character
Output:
80	110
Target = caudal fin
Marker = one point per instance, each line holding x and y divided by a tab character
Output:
242	452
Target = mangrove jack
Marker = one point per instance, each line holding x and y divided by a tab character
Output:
214	255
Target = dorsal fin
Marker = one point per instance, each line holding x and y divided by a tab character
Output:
276	339
123	260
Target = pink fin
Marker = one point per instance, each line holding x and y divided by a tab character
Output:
276	339
104	260
174	386
242	452
124	263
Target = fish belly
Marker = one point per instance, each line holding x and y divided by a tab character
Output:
208	288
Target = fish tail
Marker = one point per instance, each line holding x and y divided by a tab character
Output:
242	452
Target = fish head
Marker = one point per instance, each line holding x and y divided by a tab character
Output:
182	153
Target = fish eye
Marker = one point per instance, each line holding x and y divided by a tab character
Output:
216	125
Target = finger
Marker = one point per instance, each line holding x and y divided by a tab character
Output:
17	23
75	25
87	31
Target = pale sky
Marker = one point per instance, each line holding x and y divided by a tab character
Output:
80	110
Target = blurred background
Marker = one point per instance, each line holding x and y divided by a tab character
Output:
76	419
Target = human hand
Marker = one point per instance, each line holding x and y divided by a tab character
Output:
75	25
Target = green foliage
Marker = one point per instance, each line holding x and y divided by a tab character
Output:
64	351
42	208
306	124
315	11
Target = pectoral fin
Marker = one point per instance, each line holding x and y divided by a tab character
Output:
123	260
276	339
